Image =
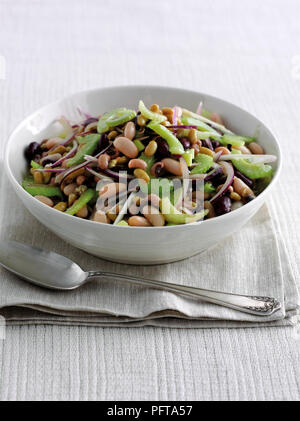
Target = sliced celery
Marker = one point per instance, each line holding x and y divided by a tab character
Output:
205	163
150	115
173	216
175	146
114	118
188	155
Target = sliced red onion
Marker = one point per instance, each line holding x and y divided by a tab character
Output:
217	156
218	170
174	118
199	108
197	176
99	175
48	169
182	126
117	176
59	178
209	144
103	150
82	134
229	180
90	120
90	158
67	156
254	158
85	114
54	157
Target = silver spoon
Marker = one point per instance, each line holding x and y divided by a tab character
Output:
51	270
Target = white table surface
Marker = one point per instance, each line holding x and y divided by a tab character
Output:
244	51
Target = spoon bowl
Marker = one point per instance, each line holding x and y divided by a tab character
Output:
41	267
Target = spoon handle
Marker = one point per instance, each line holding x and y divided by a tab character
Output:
259	306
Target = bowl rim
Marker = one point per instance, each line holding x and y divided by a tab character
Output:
222	218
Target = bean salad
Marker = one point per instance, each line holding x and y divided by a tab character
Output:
155	166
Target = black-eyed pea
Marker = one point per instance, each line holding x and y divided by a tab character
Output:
46	200
138	221
111	189
103	161
100	216
126	147
156	169
137	163
242	189
151	148
138	173
83	212
154	200
255	148
70	188
172	166
153	215
129	130
61	206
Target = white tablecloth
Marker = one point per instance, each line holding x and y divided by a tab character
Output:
245	51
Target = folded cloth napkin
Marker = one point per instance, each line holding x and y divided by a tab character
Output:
253	261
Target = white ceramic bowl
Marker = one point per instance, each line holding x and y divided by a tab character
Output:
130	244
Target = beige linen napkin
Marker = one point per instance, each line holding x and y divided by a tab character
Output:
252	261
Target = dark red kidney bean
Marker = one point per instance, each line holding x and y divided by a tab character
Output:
215	144
185	143
207	144
32	149
222	205
245	179
215	175
162	148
